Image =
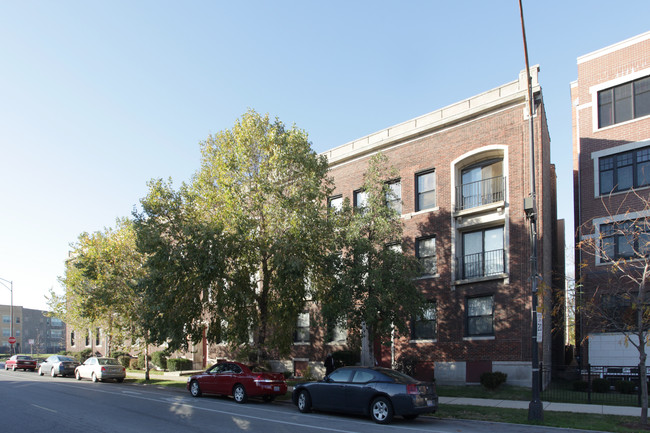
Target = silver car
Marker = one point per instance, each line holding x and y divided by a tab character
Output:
97	369
58	365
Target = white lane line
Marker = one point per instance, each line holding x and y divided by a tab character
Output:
44	408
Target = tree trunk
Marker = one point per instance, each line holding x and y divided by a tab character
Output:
643	380
146	359
367	352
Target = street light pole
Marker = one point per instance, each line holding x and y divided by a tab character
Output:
535	408
11	289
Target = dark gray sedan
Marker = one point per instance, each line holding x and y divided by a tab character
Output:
379	392
58	365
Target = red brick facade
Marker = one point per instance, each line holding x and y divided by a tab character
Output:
624	62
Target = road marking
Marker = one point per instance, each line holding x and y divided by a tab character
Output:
44	408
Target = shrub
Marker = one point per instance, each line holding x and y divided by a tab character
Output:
625	386
125	360
179	364
159	359
600	385
580	385
84	354
492	380
133	363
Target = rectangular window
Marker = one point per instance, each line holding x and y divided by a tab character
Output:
360	199
480	316
6	319
336	333
394	196
624	240
56	333
6	332
425	327
426	253
56	322
624	102
482	183
302	329
483	253
426	190
88	339
624	171
72	338
335	204
97	337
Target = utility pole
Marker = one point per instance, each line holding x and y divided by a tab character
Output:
535	408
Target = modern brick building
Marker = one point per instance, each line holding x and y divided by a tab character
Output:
611	148
34	332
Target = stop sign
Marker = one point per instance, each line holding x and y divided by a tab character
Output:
12	340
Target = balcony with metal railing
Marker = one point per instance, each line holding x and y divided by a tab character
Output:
479	265
480	193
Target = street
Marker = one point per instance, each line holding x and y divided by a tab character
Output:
44	404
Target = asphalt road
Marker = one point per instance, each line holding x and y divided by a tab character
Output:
31	403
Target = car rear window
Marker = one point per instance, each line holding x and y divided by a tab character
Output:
24	357
397	376
109	361
65	358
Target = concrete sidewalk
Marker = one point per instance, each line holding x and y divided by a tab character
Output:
548	406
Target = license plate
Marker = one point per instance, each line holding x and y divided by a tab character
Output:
276	388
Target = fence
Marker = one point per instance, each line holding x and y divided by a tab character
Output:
610	385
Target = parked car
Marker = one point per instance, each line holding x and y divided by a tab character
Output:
238	380
58	365
375	391
18	362
99	368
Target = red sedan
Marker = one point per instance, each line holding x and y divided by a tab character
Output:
238	380
20	362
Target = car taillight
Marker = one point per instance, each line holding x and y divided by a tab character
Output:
412	388
103	369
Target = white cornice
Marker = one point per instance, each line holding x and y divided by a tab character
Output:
615	47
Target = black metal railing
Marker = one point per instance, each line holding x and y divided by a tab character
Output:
479	193
483	264
610	385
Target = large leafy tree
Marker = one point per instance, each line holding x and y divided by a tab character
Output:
101	284
264	186
370	284
186	252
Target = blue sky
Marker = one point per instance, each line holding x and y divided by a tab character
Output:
96	98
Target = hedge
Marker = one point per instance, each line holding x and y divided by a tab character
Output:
179	364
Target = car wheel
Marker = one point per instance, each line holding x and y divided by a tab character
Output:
304	402
40	371
77	375
13	368
239	392
195	389
410	417
52	373
93	377
381	410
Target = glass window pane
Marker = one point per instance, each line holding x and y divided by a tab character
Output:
606	181
427	200
623	103
336	203
426	190
605	114
625	178
472	243
643	174
494	239
642	97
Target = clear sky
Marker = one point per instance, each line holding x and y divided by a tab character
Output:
98	97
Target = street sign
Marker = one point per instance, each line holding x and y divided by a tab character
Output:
12	340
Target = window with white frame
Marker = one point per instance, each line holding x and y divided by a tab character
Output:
426	190
482	183
480	316
425	327
624	240
426	254
624	102
302	329
623	171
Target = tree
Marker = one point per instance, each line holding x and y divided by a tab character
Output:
267	189
101	283
186	253
370	283
617	300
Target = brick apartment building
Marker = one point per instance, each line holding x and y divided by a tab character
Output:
611	158
464	172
